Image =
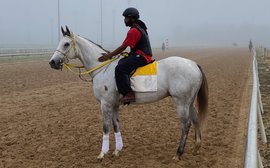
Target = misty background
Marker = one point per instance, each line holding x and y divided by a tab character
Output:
34	23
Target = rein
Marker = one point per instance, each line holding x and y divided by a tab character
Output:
69	66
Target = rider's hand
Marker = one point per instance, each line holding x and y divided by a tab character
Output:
104	57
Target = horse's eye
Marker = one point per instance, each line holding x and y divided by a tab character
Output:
66	44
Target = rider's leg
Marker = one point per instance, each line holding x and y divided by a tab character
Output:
123	70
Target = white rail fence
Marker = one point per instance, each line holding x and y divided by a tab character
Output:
252	156
18	52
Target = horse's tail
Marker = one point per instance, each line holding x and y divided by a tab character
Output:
202	98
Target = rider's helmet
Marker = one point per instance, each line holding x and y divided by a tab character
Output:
131	12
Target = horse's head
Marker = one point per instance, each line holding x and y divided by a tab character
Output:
66	50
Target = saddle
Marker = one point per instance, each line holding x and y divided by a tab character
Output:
142	70
125	54
144	79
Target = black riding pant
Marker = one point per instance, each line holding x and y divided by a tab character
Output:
123	71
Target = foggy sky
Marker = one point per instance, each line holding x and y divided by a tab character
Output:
33	23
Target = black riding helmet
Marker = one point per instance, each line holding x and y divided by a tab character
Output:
131	12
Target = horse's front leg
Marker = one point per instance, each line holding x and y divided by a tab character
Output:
107	112
117	133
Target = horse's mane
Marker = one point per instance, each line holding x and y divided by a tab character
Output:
96	44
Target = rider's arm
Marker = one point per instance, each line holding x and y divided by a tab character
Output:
117	51
114	53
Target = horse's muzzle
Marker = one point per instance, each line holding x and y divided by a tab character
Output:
55	65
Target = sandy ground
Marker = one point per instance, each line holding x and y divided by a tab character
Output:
50	118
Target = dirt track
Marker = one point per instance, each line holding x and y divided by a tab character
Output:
50	118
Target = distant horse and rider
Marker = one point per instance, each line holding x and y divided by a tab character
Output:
250	46
180	78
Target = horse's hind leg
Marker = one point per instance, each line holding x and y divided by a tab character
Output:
182	110
195	120
117	133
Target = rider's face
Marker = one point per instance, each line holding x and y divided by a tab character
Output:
128	21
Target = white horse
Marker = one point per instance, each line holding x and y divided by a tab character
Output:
180	78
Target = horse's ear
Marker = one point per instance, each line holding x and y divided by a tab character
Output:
63	31
68	32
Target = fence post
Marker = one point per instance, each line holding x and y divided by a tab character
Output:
262	129
260	101
260	165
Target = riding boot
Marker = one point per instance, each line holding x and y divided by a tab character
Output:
129	97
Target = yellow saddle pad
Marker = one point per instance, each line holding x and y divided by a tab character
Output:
150	69
145	78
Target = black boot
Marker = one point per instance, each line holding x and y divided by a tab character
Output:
128	98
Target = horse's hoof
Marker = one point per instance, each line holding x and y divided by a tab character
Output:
101	156
196	149
177	157
116	153
195	152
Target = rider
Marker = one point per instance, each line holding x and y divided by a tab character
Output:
140	53
250	45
